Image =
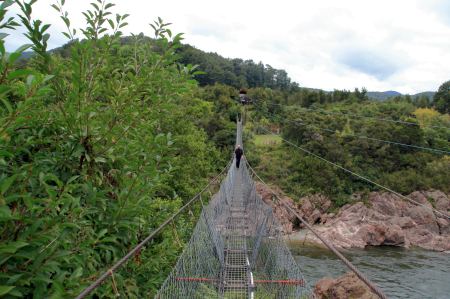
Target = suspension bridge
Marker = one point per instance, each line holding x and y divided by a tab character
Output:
236	250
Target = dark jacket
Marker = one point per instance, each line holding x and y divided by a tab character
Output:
238	152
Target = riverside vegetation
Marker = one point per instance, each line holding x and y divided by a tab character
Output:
104	138
346	128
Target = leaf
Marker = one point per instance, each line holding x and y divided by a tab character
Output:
4	290
77	273
66	21
3	35
70	225
13	57
95	6
6	3
5	213
47	78
66	35
7	105
16	293
12	247
102	233
111	23
109	5
30	80
100	160
72	179
19	73
23	48
7	183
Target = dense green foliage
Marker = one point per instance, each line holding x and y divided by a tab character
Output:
97	148
442	98
236	72
340	131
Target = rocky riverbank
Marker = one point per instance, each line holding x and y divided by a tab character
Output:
343	287
378	219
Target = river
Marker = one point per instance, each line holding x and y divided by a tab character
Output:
401	273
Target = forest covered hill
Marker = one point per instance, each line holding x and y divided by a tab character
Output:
214	68
385	95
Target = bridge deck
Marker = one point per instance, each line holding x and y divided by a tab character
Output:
236	273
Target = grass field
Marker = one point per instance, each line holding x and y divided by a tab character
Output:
266	140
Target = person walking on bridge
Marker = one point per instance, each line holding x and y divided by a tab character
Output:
238	152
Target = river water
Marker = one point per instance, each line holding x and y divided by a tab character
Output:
401	273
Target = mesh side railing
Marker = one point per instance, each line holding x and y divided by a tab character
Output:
237	249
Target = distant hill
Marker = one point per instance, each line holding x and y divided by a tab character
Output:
384	95
26	55
428	94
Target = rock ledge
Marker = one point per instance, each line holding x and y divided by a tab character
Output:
382	220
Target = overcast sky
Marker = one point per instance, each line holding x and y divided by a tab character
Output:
401	45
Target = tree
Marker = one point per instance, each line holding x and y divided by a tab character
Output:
442	98
422	102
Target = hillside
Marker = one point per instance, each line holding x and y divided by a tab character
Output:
385	95
213	68
235	72
382	95
428	94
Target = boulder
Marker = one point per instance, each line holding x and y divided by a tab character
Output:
284	216
403	222
423	217
320	202
395	236
314	217
420	197
372	234
305	206
444	226
382	205
442	202
344	287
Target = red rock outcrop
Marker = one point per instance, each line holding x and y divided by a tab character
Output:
344	287
383	219
312	208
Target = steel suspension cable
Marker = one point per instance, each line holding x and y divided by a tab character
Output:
138	247
401	196
439	151
328	244
319	110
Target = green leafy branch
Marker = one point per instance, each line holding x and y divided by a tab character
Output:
36	33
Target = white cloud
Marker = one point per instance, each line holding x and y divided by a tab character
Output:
382	45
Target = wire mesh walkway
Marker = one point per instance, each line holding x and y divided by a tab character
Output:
236	250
